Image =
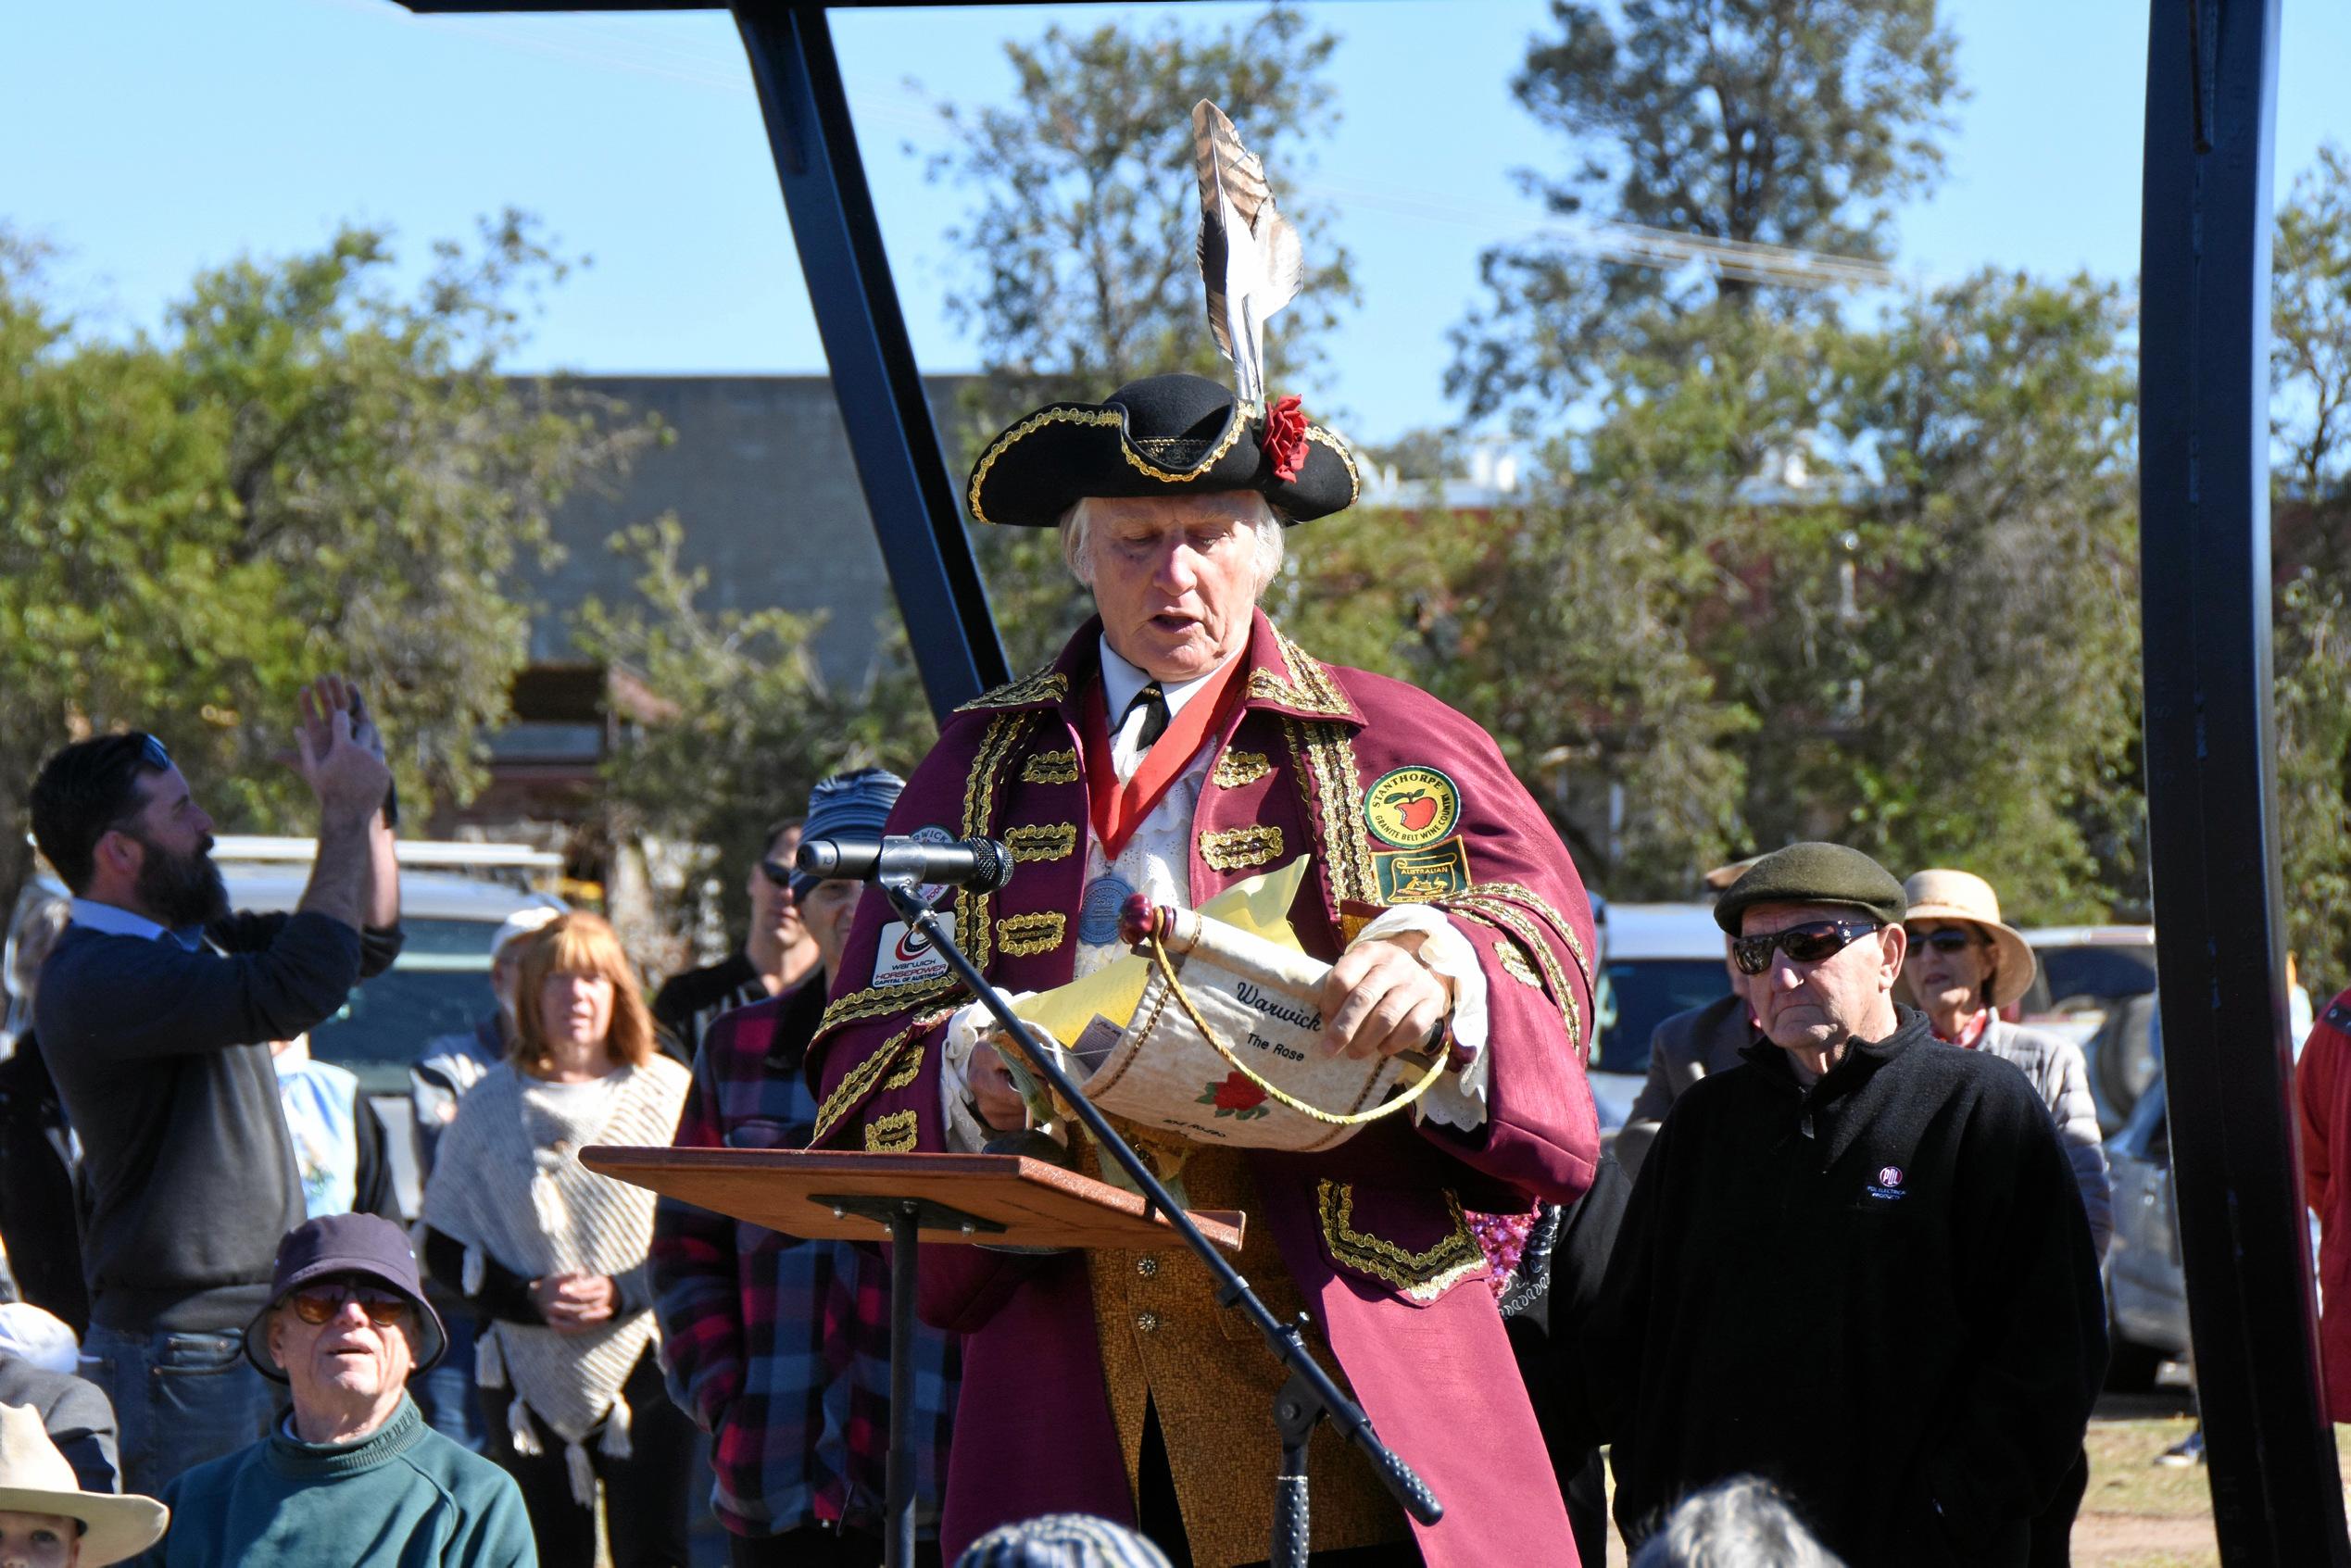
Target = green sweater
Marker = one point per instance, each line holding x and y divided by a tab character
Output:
402	1496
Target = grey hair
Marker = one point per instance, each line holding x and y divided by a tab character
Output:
1742	1523
1267	525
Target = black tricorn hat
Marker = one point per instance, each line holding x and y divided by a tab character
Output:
1158	436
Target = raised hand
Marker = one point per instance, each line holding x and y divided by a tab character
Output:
342	772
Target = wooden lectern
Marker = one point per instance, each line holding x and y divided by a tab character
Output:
983	1199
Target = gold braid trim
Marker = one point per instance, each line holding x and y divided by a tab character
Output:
897	1132
1309	686
980	790
1238	768
1338	444
1515	893
1018	936
1514	962
880	1002
1422	1276
1050	767
905	1076
1512	922
1324	757
861	1080
1234	850
1135	460
1042	685
1030	842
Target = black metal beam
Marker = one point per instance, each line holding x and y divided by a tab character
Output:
917	513
2204	618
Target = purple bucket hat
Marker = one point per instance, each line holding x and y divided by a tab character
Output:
366	1245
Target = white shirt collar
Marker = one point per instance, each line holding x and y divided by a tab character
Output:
115	920
1121	681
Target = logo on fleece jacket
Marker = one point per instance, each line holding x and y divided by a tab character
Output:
1887	1188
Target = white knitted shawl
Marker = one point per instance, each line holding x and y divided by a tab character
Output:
537	1210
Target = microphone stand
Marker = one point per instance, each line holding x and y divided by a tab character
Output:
1309	1396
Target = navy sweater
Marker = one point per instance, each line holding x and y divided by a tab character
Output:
161	1056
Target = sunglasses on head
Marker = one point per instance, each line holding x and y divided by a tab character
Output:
1948	941
1808	942
152	755
320	1302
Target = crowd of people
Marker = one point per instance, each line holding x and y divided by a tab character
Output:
1834	1295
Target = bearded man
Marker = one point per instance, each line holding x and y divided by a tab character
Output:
1179	743
153	1013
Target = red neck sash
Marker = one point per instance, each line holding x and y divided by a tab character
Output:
1119	809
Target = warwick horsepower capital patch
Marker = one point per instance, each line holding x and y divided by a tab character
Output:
1411	807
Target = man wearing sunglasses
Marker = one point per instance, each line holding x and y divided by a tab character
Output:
154	1012
1854	1264
352	1475
778	954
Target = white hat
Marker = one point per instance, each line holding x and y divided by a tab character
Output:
41	1337
522	922
35	1478
1963	896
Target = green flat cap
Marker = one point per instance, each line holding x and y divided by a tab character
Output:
1814	873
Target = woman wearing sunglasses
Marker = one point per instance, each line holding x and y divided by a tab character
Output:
553	1255
1963	967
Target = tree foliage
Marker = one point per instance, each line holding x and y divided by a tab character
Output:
1793	124
305	468
1081	234
747	722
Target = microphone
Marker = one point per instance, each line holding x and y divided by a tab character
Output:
982	864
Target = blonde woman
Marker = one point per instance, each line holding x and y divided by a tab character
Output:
553	1256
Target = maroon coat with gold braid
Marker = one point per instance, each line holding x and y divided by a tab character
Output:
1371	1232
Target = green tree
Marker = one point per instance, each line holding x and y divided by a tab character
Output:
2310	407
305	470
1081	234
1793	124
749	724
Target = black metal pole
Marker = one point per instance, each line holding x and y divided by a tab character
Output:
2205	566
897	1545
918	514
1310	1387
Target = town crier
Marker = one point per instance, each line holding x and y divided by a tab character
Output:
1178	744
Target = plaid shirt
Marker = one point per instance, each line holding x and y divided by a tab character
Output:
779	1346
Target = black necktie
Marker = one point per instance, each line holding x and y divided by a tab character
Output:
1153	702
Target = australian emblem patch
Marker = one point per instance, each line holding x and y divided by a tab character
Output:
1412	808
1415	876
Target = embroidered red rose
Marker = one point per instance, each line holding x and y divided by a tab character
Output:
1285	441
1237	1093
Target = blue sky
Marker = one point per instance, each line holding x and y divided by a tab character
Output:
145	140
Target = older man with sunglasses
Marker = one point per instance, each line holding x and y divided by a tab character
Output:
352	1475
1853	1264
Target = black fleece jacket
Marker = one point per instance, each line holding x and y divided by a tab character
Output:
1878	1293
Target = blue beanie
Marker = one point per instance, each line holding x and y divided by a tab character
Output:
855	804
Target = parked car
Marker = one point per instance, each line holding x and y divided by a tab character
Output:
2096	986
1657	960
2146	1290
453	898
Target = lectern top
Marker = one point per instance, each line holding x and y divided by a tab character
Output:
795	1191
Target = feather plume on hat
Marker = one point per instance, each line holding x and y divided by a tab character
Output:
1249	257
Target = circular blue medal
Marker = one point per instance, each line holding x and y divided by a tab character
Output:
1098	910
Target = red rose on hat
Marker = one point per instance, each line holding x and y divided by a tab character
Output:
1285	441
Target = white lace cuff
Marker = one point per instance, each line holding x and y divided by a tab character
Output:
1458	1098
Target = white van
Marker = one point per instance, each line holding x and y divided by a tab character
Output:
1656	959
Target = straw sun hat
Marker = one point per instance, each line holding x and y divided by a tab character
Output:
35	1478
1963	896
